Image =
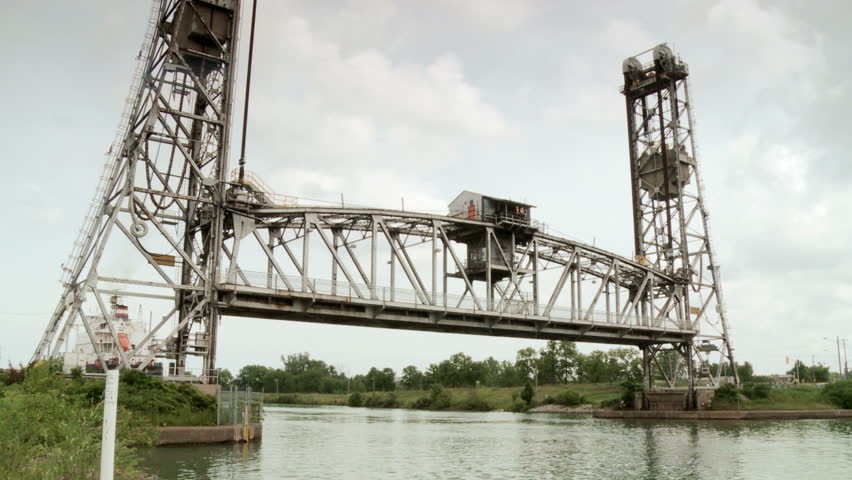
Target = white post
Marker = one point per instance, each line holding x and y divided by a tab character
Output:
108	438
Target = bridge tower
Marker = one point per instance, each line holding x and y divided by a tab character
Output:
169	227
670	219
157	208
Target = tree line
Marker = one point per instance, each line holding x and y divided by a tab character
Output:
557	362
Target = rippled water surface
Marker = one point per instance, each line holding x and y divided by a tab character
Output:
340	442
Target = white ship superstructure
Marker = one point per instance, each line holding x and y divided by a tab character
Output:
128	334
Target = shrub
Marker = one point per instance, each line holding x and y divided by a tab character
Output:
355	400
48	430
756	390
381	401
438	398
388	401
727	392
422	403
527	393
839	393
475	403
628	394
519	406
286	399
441	402
569	398
77	374
14	375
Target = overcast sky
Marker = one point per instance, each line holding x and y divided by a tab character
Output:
379	100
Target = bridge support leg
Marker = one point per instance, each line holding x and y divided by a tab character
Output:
647	358
690	378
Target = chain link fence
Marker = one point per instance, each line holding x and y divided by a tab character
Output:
237	407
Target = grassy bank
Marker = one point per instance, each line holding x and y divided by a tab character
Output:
50	426
787	397
750	397
475	399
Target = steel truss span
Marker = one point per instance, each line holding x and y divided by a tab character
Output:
170	228
408	270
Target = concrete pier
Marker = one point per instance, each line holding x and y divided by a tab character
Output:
212	434
722	414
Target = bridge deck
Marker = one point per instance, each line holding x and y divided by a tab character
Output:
358	305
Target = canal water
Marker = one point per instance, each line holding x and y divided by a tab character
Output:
341	442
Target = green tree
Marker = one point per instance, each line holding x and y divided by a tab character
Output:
557	362
225	379
817	373
624	365
412	378
548	371
252	376
594	368
509	375
745	371
382	380
526	362
489	371
464	369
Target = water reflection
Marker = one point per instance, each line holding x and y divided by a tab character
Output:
340	442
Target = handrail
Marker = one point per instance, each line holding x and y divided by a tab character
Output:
400	296
270	197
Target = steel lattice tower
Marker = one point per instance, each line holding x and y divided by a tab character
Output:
163	183
671	229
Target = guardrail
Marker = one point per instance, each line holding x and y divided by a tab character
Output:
354	292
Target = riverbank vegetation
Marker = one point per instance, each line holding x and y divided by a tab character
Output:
556	363
762	396
50	426
602	379
467	398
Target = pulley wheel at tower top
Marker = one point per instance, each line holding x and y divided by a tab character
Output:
653	174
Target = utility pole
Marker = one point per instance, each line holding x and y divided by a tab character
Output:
813	369
845	362
839	365
798	379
